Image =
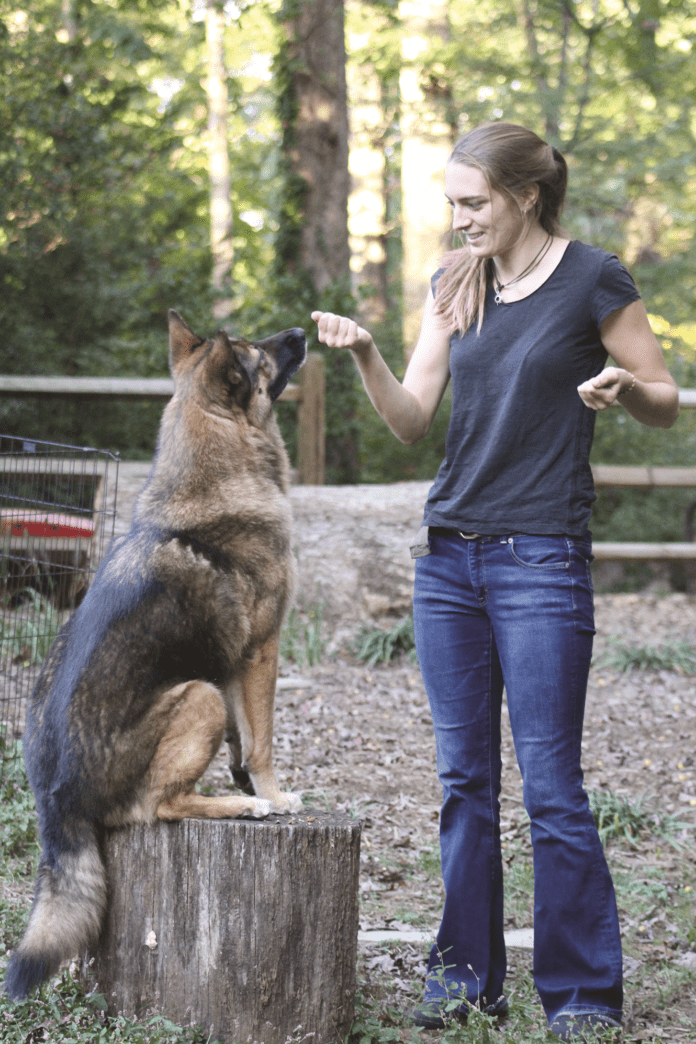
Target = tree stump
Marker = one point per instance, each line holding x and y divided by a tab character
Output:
248	928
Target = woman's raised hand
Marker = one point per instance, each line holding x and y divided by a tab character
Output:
601	391
337	331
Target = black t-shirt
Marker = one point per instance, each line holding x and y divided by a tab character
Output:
519	437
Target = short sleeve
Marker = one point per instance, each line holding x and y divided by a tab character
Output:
614	289
434	279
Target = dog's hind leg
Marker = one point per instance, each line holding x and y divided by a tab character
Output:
194	733
252	703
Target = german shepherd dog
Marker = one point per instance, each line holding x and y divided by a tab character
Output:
175	645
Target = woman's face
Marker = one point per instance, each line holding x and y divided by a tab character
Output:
491	222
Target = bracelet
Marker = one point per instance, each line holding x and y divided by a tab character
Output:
630	388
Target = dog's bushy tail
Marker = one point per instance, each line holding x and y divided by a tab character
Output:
66	917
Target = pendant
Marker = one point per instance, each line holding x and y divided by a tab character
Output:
498	299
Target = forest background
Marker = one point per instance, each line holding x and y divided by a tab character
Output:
255	159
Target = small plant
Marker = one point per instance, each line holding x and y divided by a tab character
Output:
429	861
375	645
302	640
358	809
62	1012
316	799
626	656
18	819
29	636
619	818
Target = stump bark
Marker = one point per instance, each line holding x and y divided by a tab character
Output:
247	928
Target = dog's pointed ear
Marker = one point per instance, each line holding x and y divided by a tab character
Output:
225	360
182	339
228	370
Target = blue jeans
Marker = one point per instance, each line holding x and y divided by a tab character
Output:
515	611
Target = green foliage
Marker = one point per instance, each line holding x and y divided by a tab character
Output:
101	231
429	861
60	1011
316	799
288	300
18	821
291	293
623	655
104	219
104	186
375	645
63	1012
519	883
13	918
302	640
644	514
29	635
619	818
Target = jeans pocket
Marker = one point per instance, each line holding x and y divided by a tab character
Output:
540	552
582	547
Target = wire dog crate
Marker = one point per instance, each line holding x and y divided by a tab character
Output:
57	516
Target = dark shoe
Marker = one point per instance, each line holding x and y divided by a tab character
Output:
580	1026
430	1015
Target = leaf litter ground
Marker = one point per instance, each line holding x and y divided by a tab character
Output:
360	739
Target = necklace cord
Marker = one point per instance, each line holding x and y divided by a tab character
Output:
534	263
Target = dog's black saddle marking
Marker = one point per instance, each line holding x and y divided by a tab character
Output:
219	559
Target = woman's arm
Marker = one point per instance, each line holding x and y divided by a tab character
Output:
642	381
408	408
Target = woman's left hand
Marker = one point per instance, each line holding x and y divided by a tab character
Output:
601	391
648	390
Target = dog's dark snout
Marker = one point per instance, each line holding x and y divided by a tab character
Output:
295	340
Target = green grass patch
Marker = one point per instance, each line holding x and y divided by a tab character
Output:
624	656
625	819
377	645
302	640
19	828
63	1013
429	861
30	630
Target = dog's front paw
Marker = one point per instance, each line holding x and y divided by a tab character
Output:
260	808
288	802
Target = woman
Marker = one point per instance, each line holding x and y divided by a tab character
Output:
521	319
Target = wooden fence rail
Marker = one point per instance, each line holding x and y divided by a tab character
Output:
656	477
308	393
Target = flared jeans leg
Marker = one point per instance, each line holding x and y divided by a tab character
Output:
461	669
515	610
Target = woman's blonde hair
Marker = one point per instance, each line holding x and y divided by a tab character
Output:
513	159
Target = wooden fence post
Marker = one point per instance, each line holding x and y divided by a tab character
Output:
248	928
308	393
311	437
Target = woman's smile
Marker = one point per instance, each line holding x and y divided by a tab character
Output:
487	218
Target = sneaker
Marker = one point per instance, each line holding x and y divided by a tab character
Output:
583	1026
429	1014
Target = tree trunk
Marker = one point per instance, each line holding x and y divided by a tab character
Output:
314	116
248	928
218	156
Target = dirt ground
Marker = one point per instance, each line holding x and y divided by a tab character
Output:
360	738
